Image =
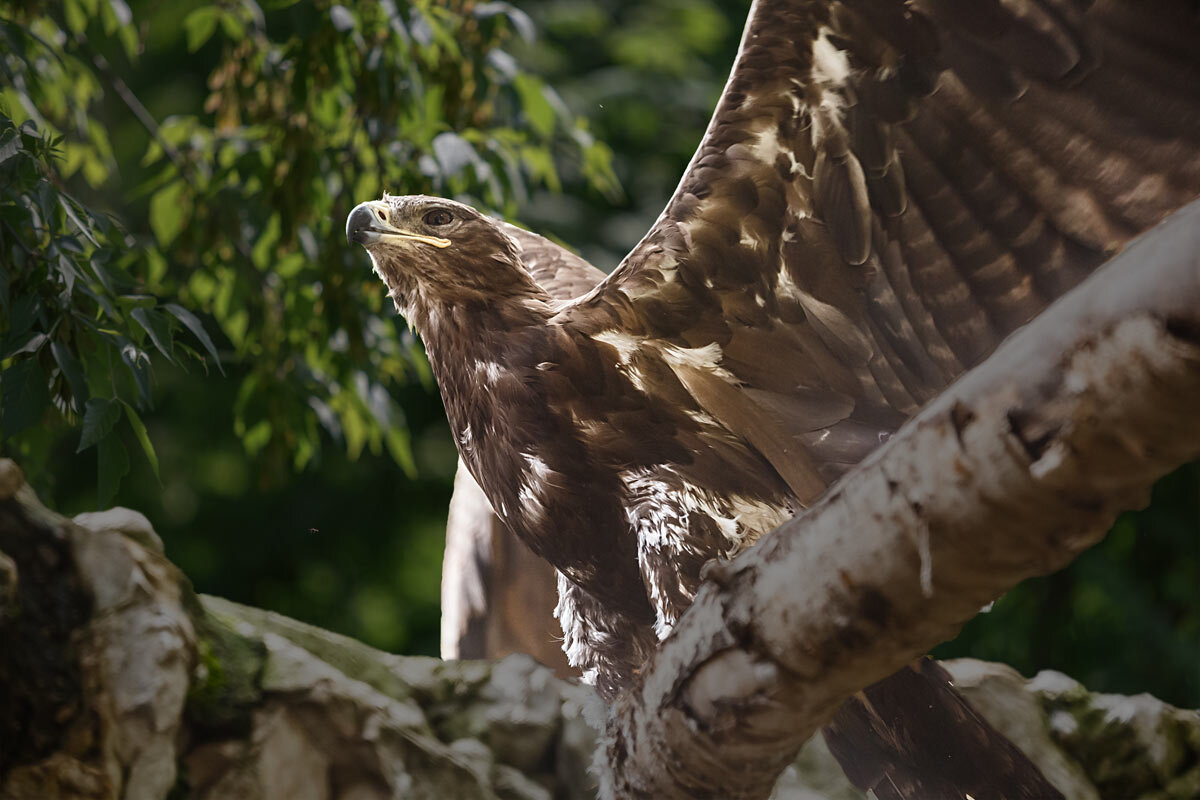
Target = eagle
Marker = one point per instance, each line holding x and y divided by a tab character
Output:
886	189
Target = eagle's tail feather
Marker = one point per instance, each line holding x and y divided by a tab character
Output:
912	736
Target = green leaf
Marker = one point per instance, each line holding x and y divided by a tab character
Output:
131	301
156	325
66	269
109	280
10	145
156	267
23	396
257	437
262	250
32	344
341	18
75	16
399	444
139	430
200	25
193	324
24	312
236	325
129	40
533	100
99	418
137	362
290	265
167	212
112	464
232	26
73	372
86	230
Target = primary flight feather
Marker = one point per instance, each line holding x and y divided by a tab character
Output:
885	191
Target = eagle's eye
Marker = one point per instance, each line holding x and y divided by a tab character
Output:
438	217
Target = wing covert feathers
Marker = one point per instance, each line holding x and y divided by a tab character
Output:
563	274
888	188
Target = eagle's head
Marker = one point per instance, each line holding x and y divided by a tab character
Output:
433	251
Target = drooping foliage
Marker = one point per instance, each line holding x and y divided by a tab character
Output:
233	211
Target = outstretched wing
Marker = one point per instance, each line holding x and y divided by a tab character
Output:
497	596
886	190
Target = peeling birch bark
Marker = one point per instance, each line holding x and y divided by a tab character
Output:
1011	473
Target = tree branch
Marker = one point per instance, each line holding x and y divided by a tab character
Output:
1011	473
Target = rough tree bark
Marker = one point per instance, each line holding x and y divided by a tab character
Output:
1011	473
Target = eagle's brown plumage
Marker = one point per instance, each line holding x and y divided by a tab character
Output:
886	190
497	596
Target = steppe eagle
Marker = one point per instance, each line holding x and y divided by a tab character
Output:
886	190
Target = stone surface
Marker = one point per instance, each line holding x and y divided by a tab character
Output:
122	520
1134	747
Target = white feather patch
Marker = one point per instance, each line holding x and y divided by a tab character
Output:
488	372
830	65
626	344
707	357
661	505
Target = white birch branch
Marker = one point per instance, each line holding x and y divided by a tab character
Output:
1011	473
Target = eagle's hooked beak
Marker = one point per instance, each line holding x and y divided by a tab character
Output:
368	223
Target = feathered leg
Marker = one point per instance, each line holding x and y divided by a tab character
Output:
607	648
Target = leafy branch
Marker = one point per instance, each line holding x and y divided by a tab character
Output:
234	211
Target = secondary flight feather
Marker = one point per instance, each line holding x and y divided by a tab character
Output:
886	190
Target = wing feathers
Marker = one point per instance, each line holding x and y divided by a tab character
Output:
913	736
899	281
560	272
841	200
1157	26
1004	290
739	414
953	309
1017	224
889	187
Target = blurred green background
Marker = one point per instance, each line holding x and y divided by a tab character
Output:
185	331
